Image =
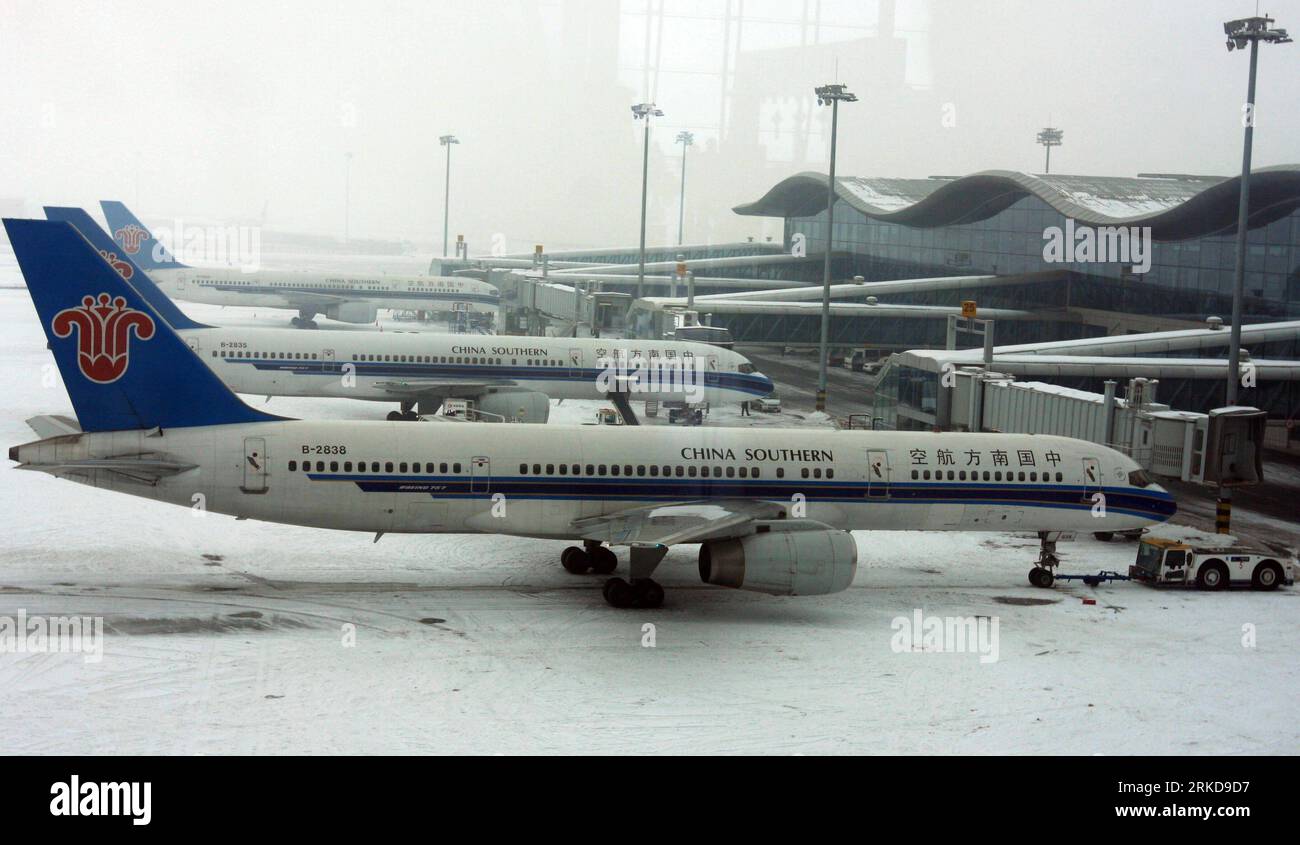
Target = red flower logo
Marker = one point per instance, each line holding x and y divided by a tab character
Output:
103	334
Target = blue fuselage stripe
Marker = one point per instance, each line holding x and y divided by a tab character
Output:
1132	502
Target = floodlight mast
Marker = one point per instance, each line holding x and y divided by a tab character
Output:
446	141
644	111
1243	32
831	95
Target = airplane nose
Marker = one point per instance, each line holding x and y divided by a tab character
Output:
765	382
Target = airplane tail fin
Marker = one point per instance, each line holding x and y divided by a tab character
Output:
136	240
123	365
122	263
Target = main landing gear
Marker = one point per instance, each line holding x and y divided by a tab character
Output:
640	591
304	320
1043	574
407	414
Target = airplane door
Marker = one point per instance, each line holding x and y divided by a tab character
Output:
327	360
193	343
1091	478
254	465
480	475
575	363
877	474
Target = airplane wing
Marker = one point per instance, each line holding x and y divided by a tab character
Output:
442	388
690	522
145	469
315	300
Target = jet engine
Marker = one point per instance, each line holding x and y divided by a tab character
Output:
352	312
527	406
782	563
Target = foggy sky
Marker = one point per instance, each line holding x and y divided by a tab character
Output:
224	110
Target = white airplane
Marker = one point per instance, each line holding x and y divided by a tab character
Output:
771	508
346	297
510	378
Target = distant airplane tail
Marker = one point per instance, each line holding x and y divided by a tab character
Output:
135	239
123	264
123	365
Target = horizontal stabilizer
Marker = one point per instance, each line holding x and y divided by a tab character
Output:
53	425
146	469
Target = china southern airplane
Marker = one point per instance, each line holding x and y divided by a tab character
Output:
771	509
346	297
511	378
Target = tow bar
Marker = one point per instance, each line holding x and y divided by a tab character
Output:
1094	580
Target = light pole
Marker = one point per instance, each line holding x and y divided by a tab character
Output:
685	139
446	141
644	111
1049	138
1240	33
832	95
347	195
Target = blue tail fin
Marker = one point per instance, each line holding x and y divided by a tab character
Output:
117	257
123	365
135	238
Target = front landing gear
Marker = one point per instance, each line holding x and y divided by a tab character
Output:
1043	574
643	591
593	557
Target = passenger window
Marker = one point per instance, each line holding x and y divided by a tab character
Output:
523	469
550	469
780	472
692	471
590	469
334	466
927	475
442	468
744	472
704	472
805	473
564	469
374	466
293	466
627	469
613	470
678	472
654	470
401	467
455	468
537	469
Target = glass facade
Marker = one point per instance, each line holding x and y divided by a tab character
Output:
1193	277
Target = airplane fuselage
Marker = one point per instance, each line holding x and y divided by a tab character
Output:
326	293
373	365
452	478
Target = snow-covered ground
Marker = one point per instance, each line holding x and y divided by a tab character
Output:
235	637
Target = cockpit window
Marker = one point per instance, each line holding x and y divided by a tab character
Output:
746	367
1139	478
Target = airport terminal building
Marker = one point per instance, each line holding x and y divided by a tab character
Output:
1002	223
1048	247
